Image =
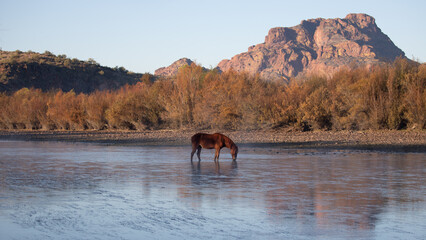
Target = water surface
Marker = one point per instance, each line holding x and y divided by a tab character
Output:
56	190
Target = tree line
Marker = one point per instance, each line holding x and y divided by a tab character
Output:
387	96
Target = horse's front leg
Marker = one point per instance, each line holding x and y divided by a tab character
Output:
216	156
199	153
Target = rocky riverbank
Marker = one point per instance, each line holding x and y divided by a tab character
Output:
368	140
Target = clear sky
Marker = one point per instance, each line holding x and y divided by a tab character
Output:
145	35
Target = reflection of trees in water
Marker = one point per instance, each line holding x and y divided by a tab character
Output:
55	175
61	171
346	190
350	189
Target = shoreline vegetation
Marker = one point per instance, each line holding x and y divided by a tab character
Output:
388	96
377	107
381	140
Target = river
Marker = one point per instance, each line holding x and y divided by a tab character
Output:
60	190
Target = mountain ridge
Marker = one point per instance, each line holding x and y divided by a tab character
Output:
316	45
47	71
319	46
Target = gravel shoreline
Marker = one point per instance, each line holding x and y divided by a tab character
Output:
383	140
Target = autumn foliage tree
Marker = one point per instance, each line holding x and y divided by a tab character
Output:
387	96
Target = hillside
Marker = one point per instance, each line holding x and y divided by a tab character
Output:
47	71
316	45
172	70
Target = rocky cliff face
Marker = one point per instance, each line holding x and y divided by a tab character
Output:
316	45
173	68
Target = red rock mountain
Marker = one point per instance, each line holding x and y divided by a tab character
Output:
173	68
316	45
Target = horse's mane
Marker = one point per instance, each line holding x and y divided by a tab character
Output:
228	142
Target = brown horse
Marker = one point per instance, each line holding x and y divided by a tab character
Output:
209	141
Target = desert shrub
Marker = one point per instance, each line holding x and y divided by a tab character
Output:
6	122
234	100
414	99
25	109
221	97
134	108
187	88
179	96
387	96
66	111
395	90
287	103
315	109
347	103
95	106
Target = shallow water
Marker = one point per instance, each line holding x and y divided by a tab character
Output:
56	190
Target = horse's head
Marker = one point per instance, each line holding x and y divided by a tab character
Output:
234	152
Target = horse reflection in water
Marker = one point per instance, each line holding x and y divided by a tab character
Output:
228	170
209	141
209	173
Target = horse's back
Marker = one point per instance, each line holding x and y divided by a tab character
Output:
196	138
222	138
207	140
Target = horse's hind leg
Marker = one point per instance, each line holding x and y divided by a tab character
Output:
199	153
193	151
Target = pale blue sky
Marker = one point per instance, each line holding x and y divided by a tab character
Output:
145	35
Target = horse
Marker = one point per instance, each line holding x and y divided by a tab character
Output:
216	141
